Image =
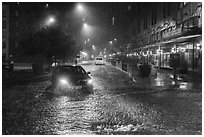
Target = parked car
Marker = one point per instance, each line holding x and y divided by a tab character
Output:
70	77
99	61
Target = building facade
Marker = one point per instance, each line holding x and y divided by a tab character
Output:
168	29
19	20
5	32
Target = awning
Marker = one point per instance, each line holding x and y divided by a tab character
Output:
189	38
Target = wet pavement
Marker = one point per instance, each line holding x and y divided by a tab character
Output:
119	105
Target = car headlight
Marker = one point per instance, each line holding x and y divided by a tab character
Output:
90	81
63	81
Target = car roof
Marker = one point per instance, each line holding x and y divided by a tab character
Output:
64	66
72	67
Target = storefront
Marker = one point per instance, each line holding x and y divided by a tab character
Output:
188	48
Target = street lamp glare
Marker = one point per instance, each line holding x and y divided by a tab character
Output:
93	47
79	7
51	20
85	25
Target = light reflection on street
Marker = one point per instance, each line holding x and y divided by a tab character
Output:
117	106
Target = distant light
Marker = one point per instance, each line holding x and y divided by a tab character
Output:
50	20
129	7
85	25
84	53
115	39
111	42
46	5
88	39
113	21
93	47
79	7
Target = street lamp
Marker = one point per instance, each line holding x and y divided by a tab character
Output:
46	5
111	42
93	47
79	7
85	25
50	20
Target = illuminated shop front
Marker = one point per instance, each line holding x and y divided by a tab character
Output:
189	50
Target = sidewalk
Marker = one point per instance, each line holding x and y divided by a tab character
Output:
163	79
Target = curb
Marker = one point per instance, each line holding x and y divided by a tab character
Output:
152	88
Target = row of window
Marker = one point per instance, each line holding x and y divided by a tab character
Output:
4	13
4	45
193	22
166	13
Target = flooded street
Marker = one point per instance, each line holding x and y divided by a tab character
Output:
118	105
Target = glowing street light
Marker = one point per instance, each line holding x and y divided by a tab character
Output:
84	53
93	47
86	30
80	8
50	20
111	42
46	5
85	25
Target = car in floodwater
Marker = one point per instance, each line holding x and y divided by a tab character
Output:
99	61
70	77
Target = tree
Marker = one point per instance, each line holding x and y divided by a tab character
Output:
50	43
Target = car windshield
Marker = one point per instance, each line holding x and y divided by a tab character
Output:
70	69
99	59
80	70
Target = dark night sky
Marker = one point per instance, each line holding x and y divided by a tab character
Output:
97	14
